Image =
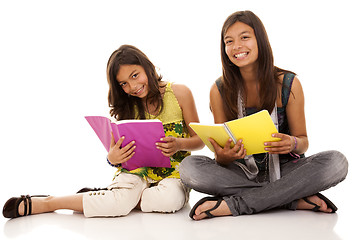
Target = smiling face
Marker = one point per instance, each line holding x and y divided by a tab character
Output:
133	80
241	45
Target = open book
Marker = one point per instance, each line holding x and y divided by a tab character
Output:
145	133
254	130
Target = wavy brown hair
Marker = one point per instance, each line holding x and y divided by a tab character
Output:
267	73
123	106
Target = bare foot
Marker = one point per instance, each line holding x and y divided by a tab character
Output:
303	205
222	210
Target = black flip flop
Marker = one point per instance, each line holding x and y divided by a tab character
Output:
328	202
325	199
207	212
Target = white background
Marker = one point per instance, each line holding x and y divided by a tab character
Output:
53	57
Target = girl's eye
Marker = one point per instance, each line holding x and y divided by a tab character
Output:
135	75
245	37
227	42
122	84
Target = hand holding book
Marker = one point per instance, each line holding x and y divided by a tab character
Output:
253	130
284	146
144	134
117	154
168	146
227	154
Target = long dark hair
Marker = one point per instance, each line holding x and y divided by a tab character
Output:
267	73
122	106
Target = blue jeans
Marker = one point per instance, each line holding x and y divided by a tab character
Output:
304	177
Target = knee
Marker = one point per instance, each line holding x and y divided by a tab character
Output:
184	169
168	196
186	166
340	163
191	170
107	204
336	163
123	196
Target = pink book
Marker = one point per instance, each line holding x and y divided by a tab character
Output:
145	133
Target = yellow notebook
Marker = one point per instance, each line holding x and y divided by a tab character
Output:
254	130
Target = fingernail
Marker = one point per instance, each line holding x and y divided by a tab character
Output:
273	135
265	144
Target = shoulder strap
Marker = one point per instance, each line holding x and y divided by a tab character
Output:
219	85
285	91
286	88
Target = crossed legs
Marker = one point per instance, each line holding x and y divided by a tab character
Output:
300	179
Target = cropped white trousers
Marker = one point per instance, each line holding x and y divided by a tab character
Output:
127	190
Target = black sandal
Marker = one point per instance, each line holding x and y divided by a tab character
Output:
325	199
207	212
11	207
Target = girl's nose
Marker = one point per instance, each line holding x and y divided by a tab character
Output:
237	45
132	86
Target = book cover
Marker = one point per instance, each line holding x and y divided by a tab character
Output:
145	133
254	130
214	131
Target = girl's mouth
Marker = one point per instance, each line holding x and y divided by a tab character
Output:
139	91
241	55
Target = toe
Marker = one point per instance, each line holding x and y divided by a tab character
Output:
203	207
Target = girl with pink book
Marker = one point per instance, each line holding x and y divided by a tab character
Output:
136	91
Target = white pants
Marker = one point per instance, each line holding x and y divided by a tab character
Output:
124	194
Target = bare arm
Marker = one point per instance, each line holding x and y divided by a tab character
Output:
296	119
187	105
216	105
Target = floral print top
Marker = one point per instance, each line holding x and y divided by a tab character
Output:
174	125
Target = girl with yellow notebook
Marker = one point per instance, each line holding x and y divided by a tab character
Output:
283	177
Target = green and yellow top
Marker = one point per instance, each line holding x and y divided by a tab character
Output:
174	125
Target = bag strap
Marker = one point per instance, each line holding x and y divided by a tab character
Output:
286	88
219	84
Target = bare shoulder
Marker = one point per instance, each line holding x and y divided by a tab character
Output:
296	86
216	105
214	91
181	90
215	97
183	94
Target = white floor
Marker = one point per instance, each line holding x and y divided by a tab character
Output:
58	179
279	224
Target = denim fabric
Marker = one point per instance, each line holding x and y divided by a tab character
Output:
304	177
